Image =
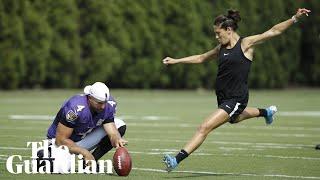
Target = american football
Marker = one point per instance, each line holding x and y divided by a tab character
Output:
122	163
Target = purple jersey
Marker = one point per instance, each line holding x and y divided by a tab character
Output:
75	113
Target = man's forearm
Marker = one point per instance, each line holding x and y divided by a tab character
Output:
114	138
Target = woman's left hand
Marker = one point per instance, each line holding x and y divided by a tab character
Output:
302	11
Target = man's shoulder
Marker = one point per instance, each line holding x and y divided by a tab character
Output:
78	104
73	110
77	100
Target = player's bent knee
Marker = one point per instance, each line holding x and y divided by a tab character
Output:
122	130
121	126
119	122
105	141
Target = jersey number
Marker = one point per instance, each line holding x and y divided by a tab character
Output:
112	103
80	108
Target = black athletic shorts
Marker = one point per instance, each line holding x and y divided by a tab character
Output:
233	106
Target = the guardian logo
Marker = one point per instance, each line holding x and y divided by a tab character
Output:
59	160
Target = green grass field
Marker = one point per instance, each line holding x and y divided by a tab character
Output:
162	122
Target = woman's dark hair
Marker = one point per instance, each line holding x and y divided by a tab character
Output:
230	20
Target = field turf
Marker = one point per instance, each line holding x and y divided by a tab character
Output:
162	122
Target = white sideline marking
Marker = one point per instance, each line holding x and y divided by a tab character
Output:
300	135
16	136
238	133
255	145
269	156
266	134
184	125
31	117
275	128
6	156
238	126
197	153
263	144
155	118
148	117
20	128
14	148
226	154
233	174
48	117
298	113
174	150
299	146
235	149
169	152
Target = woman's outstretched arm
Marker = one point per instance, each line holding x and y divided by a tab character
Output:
195	58
276	30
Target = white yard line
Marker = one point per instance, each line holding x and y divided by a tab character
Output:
17	136
129	117
156	118
148	118
250	144
157	121
231	174
298	113
294	128
200	153
229	143
267	128
227	126
31	117
6	156
197	153
32	128
295	135
264	144
14	148
230	155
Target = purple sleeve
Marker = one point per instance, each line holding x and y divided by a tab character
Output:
67	116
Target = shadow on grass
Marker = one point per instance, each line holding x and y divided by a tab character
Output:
198	174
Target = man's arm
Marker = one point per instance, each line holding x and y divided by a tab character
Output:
276	30
62	138
195	58
114	135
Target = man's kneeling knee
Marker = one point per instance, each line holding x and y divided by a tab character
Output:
122	130
105	145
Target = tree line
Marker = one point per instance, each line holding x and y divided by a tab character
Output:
71	43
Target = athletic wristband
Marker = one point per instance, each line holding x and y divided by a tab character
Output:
294	18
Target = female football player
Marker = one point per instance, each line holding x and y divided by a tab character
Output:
235	55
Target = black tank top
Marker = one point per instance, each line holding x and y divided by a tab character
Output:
233	71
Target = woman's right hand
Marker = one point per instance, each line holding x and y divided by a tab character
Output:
169	60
